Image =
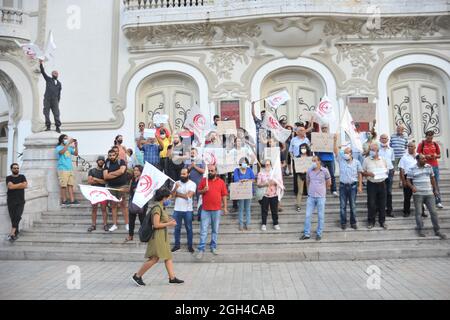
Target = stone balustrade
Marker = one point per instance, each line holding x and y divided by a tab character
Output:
13	24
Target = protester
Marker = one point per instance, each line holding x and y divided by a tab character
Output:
15	199
151	149
196	167
183	192
376	171
95	178
300	178
121	148
260	131
350	182
164	141
133	209
399	143
214	192
388	154
241	175
327	159
318	181
115	174
430	149
65	151
270	196
140	133
52	97
423	185
158	246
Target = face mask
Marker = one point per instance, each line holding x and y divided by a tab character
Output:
303	151
244	165
184	179
372	154
211	176
166	203
314	165
120	141
163	136
347	156
66	141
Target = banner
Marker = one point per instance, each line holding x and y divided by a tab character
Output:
160	118
31	50
322	142
277	99
302	164
149	133
362	112
196	122
347	124
241	190
215	156
324	110
277	176
271	123
226	127
151	180
97	194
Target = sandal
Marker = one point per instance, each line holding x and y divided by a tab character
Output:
129	238
105	227
92	228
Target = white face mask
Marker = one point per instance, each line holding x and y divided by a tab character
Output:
303	151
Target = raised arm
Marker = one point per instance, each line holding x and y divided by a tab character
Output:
335	147
41	66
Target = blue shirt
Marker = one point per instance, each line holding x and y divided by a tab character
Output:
296	142
348	170
65	160
151	153
238	175
325	156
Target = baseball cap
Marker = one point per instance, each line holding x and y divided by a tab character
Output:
100	158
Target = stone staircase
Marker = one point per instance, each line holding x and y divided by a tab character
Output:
62	235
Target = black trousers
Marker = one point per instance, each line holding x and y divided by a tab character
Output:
15	213
407	195
273	203
132	220
376	201
51	104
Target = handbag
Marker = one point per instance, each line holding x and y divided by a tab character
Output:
260	192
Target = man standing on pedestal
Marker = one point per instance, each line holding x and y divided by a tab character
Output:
51	98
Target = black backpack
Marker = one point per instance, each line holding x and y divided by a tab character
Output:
146	229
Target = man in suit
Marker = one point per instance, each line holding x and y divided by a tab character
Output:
51	98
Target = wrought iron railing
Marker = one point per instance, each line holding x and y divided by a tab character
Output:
11	16
154	4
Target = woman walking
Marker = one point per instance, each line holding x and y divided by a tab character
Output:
159	246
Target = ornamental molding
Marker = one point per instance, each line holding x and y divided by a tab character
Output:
222	61
361	57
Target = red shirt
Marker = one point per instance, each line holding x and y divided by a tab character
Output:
212	199
427	149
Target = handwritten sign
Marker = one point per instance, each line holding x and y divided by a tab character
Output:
322	142
241	190
149	133
226	127
160	118
302	164
362	112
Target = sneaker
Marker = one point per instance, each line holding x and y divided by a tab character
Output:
47	129
113	228
191	250
175	248
137	280
263	227
441	235
74	202
276	227
335	194
384	226
241	228
11	238
354	226
58	130
199	255
421	233
127	227
247	228
65	203
318	238
175	280
106	227
370	226
343	226
424	215
440	206
406	215
214	251
390	214
304	237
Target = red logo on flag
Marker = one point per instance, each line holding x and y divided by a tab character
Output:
145	185
273	123
210	158
199	121
324	107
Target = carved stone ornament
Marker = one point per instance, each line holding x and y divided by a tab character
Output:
361	57
222	61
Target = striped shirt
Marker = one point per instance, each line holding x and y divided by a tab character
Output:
421	179
399	143
348	170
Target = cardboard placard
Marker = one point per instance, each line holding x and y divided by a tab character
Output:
149	133
160	118
272	154
241	190
302	164
362	112
322	142
226	127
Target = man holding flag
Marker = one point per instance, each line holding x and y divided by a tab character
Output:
52	97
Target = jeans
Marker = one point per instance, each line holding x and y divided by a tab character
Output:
376	200
311	204
330	166
244	205
419	201
347	193
389	181
207	218
273	203
179	216
436	177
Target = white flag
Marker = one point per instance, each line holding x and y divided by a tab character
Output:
271	123
196	122
50	50
324	110
151	180
31	50
347	124
277	99
277	176
97	194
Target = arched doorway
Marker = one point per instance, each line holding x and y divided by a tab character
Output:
417	97
167	92
305	88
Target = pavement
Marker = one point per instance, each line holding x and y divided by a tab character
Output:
402	279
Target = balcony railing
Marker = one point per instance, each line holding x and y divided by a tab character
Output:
154	4
13	24
11	16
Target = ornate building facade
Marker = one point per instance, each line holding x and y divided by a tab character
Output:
122	62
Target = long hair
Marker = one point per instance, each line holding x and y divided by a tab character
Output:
61	139
308	149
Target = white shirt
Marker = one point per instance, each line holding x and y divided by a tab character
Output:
388	155
183	204
407	162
